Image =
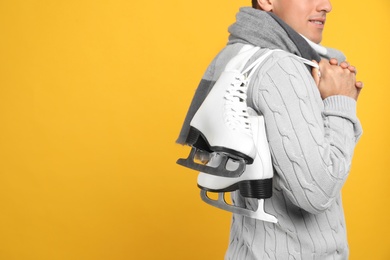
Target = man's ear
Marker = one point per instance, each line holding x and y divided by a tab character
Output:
266	5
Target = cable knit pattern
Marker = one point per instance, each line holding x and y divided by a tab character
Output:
287	98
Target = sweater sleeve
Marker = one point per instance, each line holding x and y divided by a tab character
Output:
311	140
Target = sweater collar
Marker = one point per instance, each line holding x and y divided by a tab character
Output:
321	50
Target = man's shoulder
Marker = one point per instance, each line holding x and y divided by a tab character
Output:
279	59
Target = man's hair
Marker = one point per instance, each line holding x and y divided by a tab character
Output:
254	3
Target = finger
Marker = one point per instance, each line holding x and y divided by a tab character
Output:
359	84
344	64
352	69
333	61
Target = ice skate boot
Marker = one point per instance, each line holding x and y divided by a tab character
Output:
221	123
255	182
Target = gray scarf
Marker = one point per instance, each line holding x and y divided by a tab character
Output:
266	30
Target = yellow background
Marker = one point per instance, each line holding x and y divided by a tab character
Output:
92	96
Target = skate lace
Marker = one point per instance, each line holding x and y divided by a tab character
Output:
236	113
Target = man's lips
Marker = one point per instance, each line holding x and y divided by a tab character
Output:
318	21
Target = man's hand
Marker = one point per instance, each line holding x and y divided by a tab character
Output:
333	79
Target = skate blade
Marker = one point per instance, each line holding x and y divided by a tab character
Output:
221	203
220	170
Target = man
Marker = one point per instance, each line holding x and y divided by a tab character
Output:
312	129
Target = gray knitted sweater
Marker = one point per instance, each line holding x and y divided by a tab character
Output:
311	142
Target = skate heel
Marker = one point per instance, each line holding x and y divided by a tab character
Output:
259	189
195	139
193	135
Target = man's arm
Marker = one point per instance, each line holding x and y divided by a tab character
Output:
311	140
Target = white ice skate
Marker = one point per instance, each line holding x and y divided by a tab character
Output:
232	140
255	182
221	123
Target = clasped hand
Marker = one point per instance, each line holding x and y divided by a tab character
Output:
336	79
